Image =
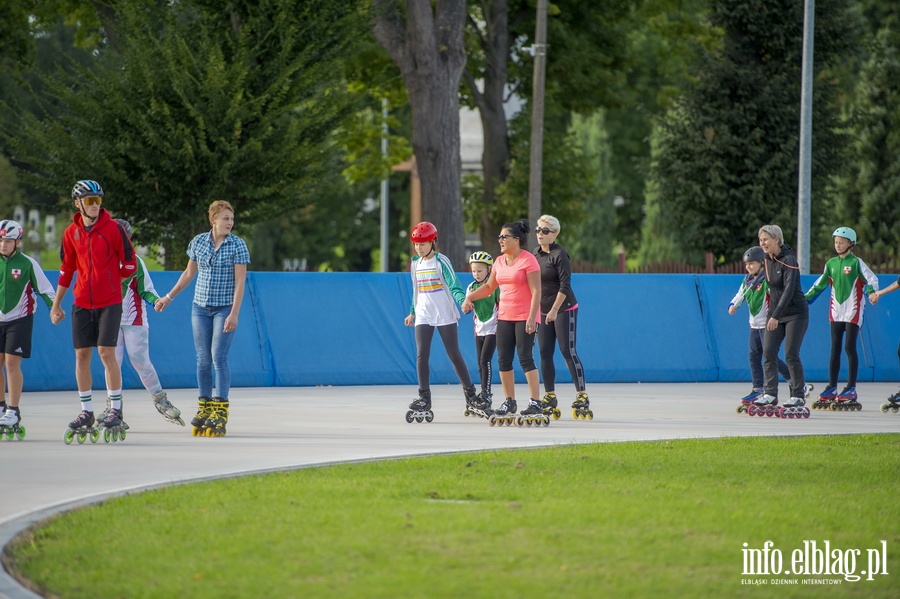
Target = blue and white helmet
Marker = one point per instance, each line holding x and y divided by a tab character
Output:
85	188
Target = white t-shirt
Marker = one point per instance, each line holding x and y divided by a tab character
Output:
433	304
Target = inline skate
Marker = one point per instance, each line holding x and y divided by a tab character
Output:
82	428
420	409
794	408
549	405
111	426
165	407
204	407
581	407
765	405
477	405
892	404
846	401
747	400
11	425
826	398
124	426
505	414
216	419
533	415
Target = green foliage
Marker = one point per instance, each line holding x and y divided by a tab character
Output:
16	46
728	159
869	198
569	177
195	105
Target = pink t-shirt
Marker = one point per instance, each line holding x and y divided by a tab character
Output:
515	295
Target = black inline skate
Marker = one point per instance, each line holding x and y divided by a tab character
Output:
82	428
420	409
11	424
549	405
124	426
533	415
505	414
477	405
581	407
892	404
111	426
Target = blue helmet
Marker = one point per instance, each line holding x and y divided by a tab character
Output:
85	188
845	232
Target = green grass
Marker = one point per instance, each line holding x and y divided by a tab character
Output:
658	519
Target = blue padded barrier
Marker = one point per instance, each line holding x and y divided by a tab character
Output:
305	329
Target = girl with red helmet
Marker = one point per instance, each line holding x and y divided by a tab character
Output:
436	292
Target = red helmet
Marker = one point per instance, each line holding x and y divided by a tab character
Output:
423	232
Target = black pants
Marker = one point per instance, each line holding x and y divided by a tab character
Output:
834	364
485	345
448	333
791	333
512	339
561	331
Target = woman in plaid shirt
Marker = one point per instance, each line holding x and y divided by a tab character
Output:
219	260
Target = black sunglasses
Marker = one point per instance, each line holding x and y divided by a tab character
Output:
544	230
502	237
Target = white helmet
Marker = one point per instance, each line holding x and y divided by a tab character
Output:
10	229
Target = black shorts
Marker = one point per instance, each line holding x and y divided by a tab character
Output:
99	327
15	336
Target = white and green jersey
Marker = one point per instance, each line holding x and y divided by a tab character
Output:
436	291
21	282
757	298
136	290
851	280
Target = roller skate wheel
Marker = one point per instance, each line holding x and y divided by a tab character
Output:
741	409
196	431
20	434
546	422
590	415
467	412
556	413
409	417
492	420
429	417
68	436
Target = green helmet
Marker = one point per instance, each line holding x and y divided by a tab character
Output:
845	232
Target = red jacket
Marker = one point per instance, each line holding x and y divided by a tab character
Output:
102	257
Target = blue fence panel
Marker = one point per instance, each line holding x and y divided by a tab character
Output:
304	329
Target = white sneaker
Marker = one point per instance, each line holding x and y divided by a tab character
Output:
9	418
795	402
766	400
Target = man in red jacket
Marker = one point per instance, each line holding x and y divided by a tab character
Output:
98	249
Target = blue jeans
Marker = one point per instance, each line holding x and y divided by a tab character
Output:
212	344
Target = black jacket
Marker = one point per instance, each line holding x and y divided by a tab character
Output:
556	276
783	275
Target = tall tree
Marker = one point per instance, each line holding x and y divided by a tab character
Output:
728	152
870	197
194	105
425	41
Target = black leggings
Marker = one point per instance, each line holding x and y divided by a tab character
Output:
512	338
485	346
561	330
790	333
834	364
424	335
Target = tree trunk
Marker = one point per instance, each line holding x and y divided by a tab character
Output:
496	154
426	43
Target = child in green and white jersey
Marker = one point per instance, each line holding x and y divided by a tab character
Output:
21	282
851	280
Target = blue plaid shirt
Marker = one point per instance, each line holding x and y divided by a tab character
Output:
215	268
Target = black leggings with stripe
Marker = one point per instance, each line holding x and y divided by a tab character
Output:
561	331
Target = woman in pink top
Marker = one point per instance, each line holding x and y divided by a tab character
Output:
518	275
